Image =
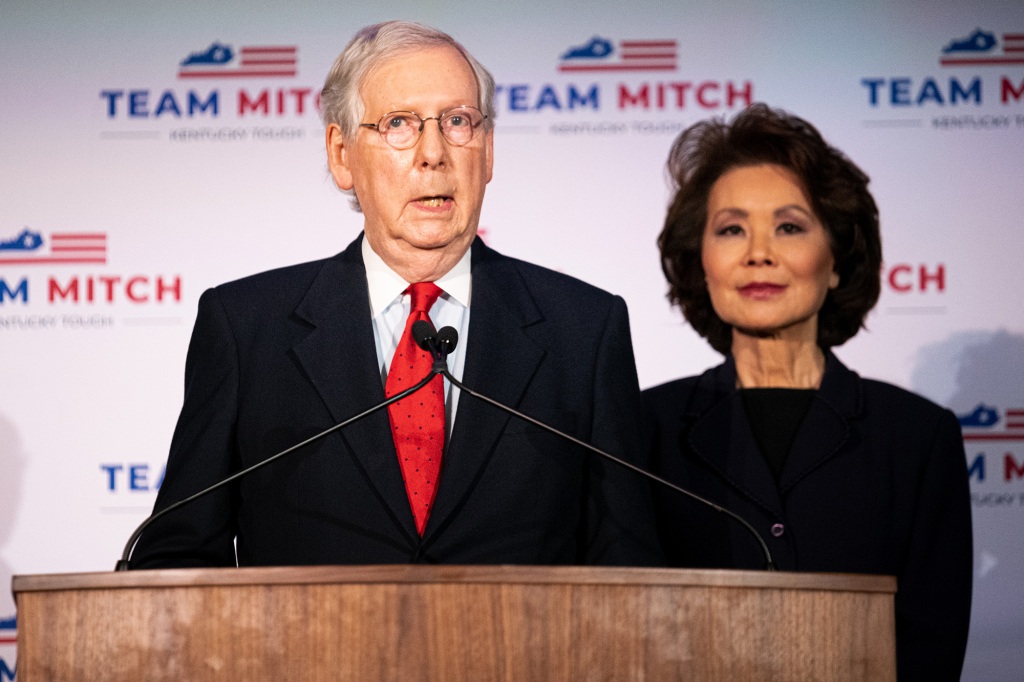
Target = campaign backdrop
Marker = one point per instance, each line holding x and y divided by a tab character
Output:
151	150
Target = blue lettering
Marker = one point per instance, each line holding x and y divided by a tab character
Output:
873	84
548	98
195	105
929	91
575	98
977	468
957	92
19	291
5	672
137	103
131	477
112	97
904	92
520	97
517	98
111	470
899	91
137	474
167	103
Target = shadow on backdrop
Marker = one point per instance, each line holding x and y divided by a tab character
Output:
980	376
12	463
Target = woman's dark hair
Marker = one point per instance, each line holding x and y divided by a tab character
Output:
838	192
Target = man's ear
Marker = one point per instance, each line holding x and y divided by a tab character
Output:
489	144
337	157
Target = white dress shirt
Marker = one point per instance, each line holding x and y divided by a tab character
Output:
389	309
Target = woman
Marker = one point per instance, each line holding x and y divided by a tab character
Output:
772	251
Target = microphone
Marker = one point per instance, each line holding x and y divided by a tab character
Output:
424	335
445	341
122	564
438	344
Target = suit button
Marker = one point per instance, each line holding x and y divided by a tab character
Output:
778	529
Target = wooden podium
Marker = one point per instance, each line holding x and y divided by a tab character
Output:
450	623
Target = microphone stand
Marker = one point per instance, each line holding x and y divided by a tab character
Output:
441	343
122	564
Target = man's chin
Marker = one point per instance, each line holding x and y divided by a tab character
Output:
441	240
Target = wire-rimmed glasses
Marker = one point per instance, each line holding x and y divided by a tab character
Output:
402	129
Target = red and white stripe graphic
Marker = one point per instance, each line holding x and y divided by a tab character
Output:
630	55
1012	53
61	248
1014	423
260	61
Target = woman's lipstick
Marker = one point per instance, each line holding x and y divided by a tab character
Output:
761	290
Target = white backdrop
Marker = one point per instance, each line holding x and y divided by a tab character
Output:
147	183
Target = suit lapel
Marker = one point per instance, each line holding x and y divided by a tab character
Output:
500	361
826	427
340	359
722	438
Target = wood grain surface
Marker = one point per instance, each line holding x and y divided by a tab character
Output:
454	623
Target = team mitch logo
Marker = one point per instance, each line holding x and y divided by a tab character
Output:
602	54
986	422
984	48
8	630
65	248
220	60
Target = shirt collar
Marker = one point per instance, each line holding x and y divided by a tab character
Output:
385	285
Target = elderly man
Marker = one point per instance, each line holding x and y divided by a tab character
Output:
280	356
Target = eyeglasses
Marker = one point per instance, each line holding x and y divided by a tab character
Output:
402	129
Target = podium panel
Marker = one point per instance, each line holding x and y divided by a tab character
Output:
453	623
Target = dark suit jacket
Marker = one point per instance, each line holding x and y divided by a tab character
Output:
280	356
876	482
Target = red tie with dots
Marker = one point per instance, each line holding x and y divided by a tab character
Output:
417	421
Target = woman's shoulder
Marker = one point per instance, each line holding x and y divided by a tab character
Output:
883	397
671	390
875	399
688	395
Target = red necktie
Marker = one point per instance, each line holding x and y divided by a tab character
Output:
417	421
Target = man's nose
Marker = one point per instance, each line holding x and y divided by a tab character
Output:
431	148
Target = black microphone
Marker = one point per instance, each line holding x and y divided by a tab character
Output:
438	344
448	338
424	335
122	564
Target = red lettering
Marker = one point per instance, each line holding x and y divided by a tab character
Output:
259	105
939	277
680	90
109	281
1007	91
173	287
112	288
300	99
56	292
746	94
702	100
1011	469
894	273
640	99
129	289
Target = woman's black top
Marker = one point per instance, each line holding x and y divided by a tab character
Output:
775	415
